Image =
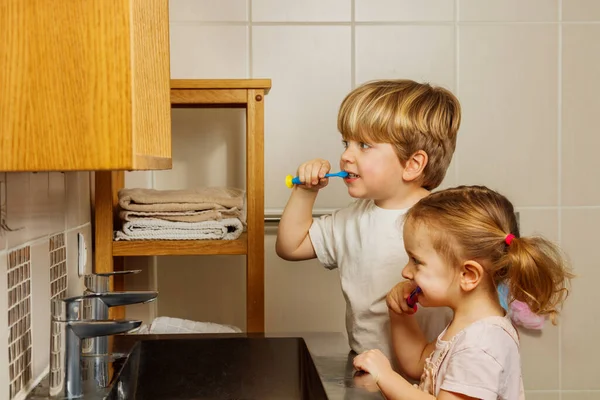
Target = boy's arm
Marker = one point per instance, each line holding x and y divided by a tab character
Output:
293	241
409	343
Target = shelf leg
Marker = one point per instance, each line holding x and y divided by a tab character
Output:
255	259
107	185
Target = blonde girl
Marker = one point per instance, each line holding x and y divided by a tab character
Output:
462	243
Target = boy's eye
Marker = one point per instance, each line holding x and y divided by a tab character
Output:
345	144
415	261
364	145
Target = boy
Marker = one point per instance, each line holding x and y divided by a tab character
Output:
399	137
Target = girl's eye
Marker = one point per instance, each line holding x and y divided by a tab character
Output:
364	146
415	261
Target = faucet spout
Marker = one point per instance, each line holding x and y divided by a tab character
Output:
88	329
114	299
65	351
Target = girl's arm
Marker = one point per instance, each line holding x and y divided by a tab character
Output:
392	385
408	341
409	344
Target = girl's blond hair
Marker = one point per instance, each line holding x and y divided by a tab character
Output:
409	115
472	223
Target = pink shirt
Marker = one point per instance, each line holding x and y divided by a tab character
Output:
481	361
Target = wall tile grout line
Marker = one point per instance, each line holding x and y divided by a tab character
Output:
559	173
250	61
456	79
352	44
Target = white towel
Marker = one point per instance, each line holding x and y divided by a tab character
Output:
157	229
178	325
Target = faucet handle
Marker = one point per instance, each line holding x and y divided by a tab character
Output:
113	273
89	329
99	282
70	308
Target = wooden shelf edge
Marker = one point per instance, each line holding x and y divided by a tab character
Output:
181	247
144	162
221	84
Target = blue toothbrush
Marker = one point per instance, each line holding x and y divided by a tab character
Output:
291	181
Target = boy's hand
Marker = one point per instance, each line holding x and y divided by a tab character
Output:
312	174
373	362
396	298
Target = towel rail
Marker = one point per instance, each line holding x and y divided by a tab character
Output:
274	216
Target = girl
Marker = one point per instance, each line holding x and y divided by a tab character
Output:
462	243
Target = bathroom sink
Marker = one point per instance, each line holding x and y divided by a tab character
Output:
219	368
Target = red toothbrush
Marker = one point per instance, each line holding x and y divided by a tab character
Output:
412	299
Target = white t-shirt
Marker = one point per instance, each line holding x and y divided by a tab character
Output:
365	243
481	361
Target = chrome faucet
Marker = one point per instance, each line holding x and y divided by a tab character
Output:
68	329
96	309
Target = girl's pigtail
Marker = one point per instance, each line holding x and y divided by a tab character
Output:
537	274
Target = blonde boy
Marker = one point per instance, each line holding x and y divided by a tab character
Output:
399	137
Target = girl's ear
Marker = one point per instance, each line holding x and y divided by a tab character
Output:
414	166
471	275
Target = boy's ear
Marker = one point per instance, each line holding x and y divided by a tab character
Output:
414	166
471	275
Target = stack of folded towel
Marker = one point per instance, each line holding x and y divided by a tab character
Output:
194	214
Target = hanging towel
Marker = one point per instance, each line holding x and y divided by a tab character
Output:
157	229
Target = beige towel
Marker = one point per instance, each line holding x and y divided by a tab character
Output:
183	216
200	199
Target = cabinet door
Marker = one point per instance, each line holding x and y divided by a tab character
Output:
84	85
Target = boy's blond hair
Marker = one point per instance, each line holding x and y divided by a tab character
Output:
409	115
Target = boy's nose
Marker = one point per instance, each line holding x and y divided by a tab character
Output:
348	156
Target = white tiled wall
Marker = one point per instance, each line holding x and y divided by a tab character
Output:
509	133
307	90
40	208
526	75
509	10
404	10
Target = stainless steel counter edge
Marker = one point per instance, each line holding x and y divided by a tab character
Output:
333	360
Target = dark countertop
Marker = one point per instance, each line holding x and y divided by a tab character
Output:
329	351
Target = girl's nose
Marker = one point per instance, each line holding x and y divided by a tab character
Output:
407	272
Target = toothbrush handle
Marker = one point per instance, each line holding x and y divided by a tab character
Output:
412	299
296	180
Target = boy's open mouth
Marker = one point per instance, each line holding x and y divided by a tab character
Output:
352	176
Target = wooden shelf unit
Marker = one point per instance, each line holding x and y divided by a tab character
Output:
225	93
181	247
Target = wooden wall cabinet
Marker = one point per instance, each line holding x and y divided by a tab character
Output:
84	85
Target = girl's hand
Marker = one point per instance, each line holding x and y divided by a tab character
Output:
312	174
373	362
365	381
396	298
